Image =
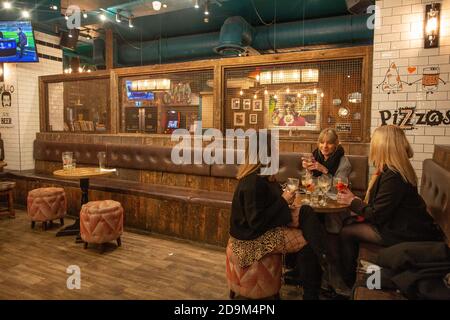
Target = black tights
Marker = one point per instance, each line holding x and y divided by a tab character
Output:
349	239
309	260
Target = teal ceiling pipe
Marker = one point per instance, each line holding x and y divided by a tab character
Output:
235	35
343	29
169	49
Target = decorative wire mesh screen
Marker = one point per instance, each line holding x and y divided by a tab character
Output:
161	103
76	106
297	98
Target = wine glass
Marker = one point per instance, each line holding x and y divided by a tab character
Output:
324	184
308	159
341	183
306	183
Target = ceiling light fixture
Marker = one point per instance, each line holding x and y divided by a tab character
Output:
7	5
156	5
102	17
25	14
118	17
130	22
206	9
54	7
196	6
85	15
164	5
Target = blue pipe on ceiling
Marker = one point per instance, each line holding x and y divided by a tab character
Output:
347	29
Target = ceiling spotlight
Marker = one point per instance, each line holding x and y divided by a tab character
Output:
25	14
130	22
206	9
196	6
54	7
118	18
102	17
156	5
7	5
85	15
164	5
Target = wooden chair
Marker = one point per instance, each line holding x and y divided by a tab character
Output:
7	189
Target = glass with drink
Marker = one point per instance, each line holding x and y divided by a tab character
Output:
341	184
292	184
308	160
324	184
307	183
67	158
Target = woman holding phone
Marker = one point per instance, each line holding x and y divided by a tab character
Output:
329	156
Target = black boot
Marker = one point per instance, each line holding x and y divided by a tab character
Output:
310	273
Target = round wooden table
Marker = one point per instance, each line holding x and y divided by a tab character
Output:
82	174
332	205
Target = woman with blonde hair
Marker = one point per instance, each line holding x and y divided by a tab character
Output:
392	211
329	156
262	222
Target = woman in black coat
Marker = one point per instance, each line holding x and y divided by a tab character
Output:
262	222
393	211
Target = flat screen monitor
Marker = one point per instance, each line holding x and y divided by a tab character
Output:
17	42
138	95
172	124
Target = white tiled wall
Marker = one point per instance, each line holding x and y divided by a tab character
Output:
400	39
18	140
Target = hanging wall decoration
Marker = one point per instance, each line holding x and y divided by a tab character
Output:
392	83
6	112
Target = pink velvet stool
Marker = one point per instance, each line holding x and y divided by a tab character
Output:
260	280
46	204
101	222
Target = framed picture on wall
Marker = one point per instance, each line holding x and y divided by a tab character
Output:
235	103
247	104
257	105
253	118
239	119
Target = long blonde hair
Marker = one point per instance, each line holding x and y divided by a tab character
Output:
250	167
389	147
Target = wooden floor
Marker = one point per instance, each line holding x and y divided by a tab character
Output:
33	265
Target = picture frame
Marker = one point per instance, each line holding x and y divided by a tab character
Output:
235	103
253	119
247	104
257	105
239	119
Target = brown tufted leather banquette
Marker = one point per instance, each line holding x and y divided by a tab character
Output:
153	158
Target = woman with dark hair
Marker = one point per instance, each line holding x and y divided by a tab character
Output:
259	224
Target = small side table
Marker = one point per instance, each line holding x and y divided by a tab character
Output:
82	174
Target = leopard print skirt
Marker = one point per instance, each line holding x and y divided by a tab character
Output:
249	251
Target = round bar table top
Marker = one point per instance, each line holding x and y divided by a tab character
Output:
82	173
332	205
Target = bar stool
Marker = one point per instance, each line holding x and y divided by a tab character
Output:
46	204
101	222
7	189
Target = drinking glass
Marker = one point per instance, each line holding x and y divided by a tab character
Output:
306	183
341	183
101	160
292	184
67	158
324	184
74	164
309	159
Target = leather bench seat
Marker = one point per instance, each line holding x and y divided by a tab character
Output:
219	199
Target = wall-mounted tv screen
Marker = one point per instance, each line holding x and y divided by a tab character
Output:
17	42
138	95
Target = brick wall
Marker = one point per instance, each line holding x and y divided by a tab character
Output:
399	40
19	139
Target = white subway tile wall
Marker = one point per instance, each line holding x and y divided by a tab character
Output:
18	140
400	40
